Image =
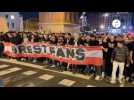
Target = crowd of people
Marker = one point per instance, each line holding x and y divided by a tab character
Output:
118	52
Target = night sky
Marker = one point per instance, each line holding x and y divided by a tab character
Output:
27	15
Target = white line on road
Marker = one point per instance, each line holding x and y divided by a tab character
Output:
29	73
66	82
90	86
3	66
42	68
7	71
46	77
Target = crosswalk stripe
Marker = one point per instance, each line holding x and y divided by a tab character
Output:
42	68
29	72
7	71
3	66
90	86
30	85
46	77
66	82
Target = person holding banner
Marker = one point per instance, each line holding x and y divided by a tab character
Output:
94	42
69	40
131	69
52	41
61	42
81	42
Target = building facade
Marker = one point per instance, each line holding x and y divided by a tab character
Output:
58	22
93	20
31	25
3	24
124	19
14	20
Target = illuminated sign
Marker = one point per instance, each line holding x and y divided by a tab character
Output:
115	31
116	23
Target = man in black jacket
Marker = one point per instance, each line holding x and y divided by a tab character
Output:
131	69
1	49
69	40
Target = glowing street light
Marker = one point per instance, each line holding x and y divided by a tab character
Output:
124	27
130	27
106	15
102	26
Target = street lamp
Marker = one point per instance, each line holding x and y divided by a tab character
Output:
106	15
102	26
124	27
130	27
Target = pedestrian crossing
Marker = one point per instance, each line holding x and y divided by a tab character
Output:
3	66
29	73
90	86
26	77
7	71
66	82
46	77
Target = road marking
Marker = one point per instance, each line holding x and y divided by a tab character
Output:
46	77
3	66
29	73
29	85
42	68
7	71
122	85
90	86
66	82
20	85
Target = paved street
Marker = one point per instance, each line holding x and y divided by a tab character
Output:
22	74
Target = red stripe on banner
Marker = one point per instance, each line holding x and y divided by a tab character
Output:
86	61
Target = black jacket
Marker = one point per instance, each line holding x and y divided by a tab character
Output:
69	41
1	49
93	43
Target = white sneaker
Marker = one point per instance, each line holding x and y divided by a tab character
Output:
113	82
97	78
52	66
127	79
22	59
34	61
